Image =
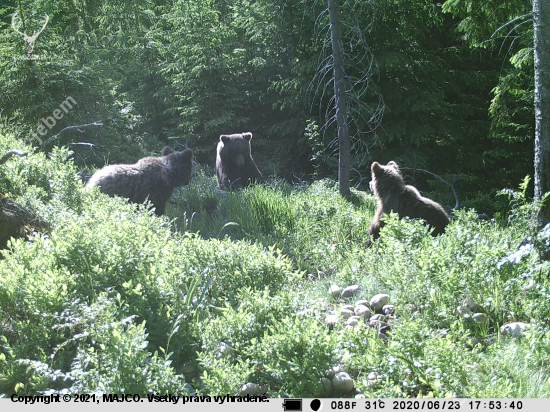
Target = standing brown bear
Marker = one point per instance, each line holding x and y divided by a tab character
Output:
405	200
235	167
152	178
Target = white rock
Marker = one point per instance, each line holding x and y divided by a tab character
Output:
346	313
342	382
327	385
378	318
350	291
362	311
353	320
470	305
378	301
372	376
251	389
377	321
515	329
335	290
481	318
336	369
331	319
359	396
388	310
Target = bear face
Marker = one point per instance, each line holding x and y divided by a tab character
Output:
152	178
405	200
235	167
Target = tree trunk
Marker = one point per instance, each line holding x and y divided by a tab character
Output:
541	18
340	99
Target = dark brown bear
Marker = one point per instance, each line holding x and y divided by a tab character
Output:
166	150
235	167
405	200
152	178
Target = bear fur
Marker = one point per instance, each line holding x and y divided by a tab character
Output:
235	167
405	200
166	150
152	178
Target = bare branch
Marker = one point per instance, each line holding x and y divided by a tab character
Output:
54	137
451	185
5	158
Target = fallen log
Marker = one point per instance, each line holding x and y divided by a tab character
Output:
16	220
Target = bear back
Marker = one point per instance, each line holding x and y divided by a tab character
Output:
394	195
152	178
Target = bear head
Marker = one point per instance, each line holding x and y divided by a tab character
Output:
236	147
180	165
386	179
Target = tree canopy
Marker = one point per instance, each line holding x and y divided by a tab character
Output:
451	85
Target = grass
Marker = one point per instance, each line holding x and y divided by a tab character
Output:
236	284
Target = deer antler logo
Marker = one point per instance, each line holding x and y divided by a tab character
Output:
28	39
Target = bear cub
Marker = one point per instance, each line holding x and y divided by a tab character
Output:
405	200
235	167
153	178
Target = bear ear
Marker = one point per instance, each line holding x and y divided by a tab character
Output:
376	168
187	154
224	138
166	150
391	163
247	136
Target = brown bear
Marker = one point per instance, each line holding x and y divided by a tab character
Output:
152	178
235	167
166	150
405	200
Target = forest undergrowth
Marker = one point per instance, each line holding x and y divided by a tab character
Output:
233	288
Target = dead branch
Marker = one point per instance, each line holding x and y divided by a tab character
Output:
451	185
5	158
17	221
56	136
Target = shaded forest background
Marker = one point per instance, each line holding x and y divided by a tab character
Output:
455	80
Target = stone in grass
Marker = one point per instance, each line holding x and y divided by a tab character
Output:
350	291
252	389
515	329
327	386
348	307
335	290
481	318
362	302
331	320
346	313
342	382
353	320
377	302
388	310
362	311
470	305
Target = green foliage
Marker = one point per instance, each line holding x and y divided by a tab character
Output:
112	355
114	299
